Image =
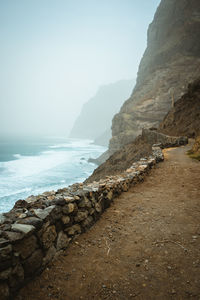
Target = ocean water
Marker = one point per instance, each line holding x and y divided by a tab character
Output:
33	167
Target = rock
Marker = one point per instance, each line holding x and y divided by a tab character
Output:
5	253
33	263
5	264
26	247
4	295
85	203
62	241
23	228
2	219
31	199
49	255
36	222
110	195
75	229
98	207
59	200
44	213
49	236
70	199
22	216
3	242
66	220
13	236
87	222
49	193
5	274
16	276
81	215
69	208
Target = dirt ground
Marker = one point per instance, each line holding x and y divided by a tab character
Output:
145	246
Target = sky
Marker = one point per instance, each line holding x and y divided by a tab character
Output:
55	54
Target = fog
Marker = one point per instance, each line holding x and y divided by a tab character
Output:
54	55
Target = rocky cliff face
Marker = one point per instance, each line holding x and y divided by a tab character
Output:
184	117
94	121
170	62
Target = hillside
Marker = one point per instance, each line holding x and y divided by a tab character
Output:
94	121
184	117
170	62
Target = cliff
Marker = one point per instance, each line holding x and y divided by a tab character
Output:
94	121
170	62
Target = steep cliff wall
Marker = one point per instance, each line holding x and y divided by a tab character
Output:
94	121
184	117
170	62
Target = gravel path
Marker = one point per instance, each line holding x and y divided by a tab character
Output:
145	246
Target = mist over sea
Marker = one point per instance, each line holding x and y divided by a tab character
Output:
30	167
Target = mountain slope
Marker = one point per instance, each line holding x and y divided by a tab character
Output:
184	117
96	115
170	62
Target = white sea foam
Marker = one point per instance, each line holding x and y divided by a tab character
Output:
16	155
32	165
11	193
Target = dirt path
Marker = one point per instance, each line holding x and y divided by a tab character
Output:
145	246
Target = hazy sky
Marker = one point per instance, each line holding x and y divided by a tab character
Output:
54	54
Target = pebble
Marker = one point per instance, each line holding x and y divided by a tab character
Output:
137	265
173	291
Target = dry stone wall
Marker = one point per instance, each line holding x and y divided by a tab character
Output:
39	227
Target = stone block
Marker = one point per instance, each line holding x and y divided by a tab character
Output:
43	213
33	263
5	253
62	241
26	247
5	274
4	291
49	236
81	215
23	228
36	222
49	255
87	222
75	229
65	220
17	276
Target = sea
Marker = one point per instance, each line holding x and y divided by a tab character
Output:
33	166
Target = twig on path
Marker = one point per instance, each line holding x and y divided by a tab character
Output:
108	248
170	241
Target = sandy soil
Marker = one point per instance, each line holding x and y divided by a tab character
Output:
145	246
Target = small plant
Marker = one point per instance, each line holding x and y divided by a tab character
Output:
195	151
